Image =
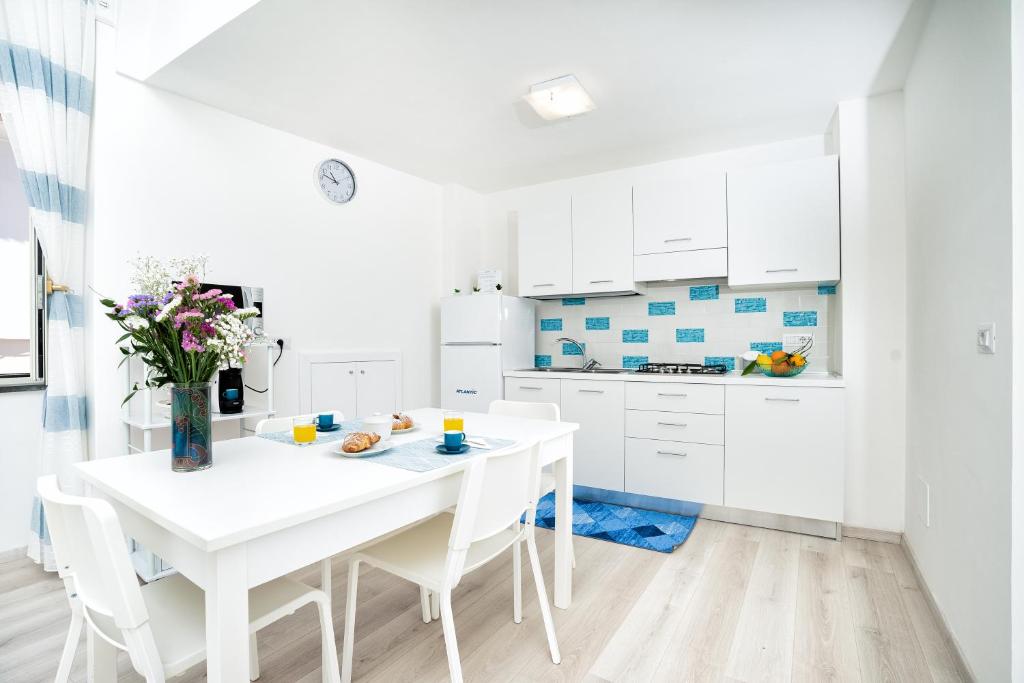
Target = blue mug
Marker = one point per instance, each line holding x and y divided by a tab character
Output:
325	420
453	440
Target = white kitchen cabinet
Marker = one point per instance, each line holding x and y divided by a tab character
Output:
683	214
545	247
784	223
678	471
540	390
354	382
602	239
598	407
673	397
784	450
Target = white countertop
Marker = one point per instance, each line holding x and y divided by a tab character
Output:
806	379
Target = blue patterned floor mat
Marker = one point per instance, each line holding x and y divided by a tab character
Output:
658	531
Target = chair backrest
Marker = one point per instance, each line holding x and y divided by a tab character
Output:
496	490
535	411
89	546
284	424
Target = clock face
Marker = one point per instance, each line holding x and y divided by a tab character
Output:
336	181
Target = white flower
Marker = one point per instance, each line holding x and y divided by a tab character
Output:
136	322
232	338
168	308
243	313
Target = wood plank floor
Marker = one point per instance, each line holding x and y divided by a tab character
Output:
733	604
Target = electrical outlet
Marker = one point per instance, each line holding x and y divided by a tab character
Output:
792	342
987	338
924	508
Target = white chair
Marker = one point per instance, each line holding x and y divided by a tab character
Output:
161	625
496	490
285	424
534	411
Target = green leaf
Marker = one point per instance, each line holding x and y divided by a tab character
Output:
109	303
749	369
129	397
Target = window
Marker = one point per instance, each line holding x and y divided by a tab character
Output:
22	315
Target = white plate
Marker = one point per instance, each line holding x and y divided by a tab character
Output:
405	431
378	447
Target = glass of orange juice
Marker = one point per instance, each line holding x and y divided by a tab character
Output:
453	421
304	430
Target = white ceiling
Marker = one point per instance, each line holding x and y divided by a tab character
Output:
434	88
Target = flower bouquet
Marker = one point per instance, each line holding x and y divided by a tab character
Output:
183	335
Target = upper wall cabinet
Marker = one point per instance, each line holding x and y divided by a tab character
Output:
545	247
784	223
680	228
602	239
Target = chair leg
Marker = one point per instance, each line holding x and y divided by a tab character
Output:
329	672
435	606
325	576
67	658
425	604
542	596
517	580
451	646
350	621
572	552
254	658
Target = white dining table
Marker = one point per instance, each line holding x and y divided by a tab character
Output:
267	508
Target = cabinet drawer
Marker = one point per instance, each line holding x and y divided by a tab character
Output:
534	390
680	471
676	398
690	427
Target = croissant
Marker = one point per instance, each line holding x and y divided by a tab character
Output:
401	421
374	437
356	442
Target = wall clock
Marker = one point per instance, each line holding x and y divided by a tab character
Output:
336	181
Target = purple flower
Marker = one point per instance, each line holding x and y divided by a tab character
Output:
207	329
183	316
190	343
228	303
207	295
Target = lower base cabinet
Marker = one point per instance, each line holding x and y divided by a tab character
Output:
599	408
679	471
784	450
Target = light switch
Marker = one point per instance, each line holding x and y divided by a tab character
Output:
987	338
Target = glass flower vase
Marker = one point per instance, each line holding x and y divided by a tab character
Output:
191	427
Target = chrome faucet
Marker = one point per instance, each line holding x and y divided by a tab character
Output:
587	364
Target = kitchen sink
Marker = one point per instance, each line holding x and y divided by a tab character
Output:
594	371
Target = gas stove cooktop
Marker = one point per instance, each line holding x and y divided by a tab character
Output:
681	369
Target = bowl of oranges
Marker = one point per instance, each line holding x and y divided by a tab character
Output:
780	363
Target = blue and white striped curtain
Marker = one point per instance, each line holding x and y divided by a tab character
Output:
47	62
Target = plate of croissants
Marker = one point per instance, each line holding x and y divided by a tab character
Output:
362	444
402	423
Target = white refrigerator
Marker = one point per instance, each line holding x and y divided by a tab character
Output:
482	335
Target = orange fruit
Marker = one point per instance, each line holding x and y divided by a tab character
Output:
781	368
798	360
779	356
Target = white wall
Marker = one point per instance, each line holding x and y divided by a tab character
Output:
957	100
1017	480
874	305
173	177
21	418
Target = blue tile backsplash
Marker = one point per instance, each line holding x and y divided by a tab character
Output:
755	304
542	361
704	293
661	308
727	361
800	318
634	336
684	323
693	335
571	349
826	289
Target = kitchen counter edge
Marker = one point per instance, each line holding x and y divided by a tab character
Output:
807	379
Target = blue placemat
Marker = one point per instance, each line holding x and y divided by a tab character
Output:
321	437
422	456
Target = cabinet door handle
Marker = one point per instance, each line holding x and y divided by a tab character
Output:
672	424
681	455
545	284
351	372
600	282
660	393
591	391
781	270
679	239
782	400
362	372
532	388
